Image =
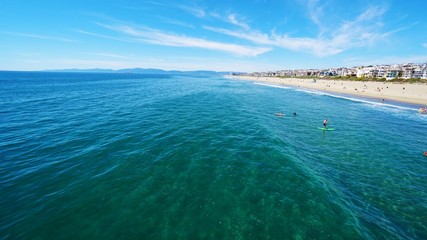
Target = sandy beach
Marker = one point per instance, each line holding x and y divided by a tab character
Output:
415	93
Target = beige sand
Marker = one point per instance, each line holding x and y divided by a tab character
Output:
415	93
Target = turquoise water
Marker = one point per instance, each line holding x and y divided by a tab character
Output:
127	156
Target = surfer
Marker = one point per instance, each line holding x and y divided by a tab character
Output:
325	122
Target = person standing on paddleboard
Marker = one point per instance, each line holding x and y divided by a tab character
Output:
325	122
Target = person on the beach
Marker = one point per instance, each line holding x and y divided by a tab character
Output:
325	122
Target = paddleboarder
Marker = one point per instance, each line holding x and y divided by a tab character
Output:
325	122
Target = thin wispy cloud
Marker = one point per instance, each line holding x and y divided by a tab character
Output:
120	39
195	11
255	32
233	19
108	55
364	30
175	22
38	36
96	63
158	37
387	60
92	34
251	35
317	46
371	13
315	12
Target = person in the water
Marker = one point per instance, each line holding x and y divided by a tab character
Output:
325	122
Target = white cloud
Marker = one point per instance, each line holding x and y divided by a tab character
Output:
196	11
424	45
233	19
97	35
315	12
175	22
387	60
364	30
320	47
78	63
371	13
153	36
38	36
108	55
252	36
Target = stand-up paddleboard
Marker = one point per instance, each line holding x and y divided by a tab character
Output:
326	129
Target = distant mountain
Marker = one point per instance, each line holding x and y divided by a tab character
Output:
141	71
95	70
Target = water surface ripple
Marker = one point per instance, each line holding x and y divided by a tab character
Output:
132	156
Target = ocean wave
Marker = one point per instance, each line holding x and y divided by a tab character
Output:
271	85
364	100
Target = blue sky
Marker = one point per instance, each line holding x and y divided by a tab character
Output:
234	35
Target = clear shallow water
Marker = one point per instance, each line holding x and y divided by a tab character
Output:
108	156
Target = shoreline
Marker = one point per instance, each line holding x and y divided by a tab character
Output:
412	93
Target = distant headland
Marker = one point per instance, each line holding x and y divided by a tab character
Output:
136	71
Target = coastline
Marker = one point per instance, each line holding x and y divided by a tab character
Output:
412	93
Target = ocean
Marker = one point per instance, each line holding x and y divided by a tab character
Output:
140	156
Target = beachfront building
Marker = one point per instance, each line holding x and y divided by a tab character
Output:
366	72
382	72
342	72
348	72
393	74
417	73
414	71
407	73
327	73
389	72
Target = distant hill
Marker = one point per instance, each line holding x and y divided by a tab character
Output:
141	71
95	70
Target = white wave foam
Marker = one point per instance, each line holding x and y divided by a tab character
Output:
312	91
395	109
365	101
272	85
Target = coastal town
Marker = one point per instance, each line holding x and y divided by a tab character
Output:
399	82
380	72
